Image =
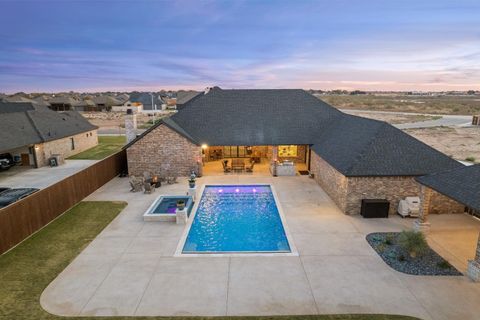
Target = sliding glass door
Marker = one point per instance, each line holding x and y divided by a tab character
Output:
235	152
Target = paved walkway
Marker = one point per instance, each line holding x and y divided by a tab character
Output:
20	177
129	269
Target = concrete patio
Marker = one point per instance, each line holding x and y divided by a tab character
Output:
129	269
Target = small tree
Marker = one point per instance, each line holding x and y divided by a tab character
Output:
413	242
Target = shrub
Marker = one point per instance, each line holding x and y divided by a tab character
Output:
471	159
401	258
413	242
389	239
444	265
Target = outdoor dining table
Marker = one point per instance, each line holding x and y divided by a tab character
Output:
238	164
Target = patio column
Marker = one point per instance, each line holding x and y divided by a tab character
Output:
473	270
422	224
274	160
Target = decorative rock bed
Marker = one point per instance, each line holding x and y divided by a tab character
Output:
429	264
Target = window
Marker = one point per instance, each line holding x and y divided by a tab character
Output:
287	151
72	143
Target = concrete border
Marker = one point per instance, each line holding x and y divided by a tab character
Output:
293	249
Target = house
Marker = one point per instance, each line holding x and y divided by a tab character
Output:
350	157
62	103
105	103
150	101
85	105
32	134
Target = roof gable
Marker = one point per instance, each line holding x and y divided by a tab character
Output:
461	184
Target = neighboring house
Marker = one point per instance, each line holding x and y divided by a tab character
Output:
85	105
62	103
122	98
136	107
33	134
105	103
350	157
146	99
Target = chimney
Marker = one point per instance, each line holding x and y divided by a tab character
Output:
130	125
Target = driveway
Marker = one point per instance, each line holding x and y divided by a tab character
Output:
129	269
20	177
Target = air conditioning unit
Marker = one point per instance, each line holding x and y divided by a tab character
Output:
409	207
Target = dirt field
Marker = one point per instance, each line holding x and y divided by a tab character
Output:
462	105
394	118
459	143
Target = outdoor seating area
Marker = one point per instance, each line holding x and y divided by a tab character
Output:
149	182
238	165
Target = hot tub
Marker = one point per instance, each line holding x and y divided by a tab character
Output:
163	208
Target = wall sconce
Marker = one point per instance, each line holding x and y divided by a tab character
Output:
204	146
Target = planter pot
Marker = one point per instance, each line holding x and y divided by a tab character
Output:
180	205
191	185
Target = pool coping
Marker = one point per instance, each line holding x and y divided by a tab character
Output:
293	249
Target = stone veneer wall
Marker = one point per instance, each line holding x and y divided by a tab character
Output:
164	151
82	142
391	188
348	192
442	204
333	182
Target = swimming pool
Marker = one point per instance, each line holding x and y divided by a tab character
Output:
237	219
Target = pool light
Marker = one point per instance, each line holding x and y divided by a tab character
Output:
237	190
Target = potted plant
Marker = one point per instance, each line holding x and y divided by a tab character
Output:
191	180
180	204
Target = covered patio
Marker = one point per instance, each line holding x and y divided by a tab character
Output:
258	160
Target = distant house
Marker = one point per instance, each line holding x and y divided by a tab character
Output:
62	103
150	101
122	98
85	105
33	134
105	103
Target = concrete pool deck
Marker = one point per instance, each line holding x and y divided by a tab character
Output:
129	269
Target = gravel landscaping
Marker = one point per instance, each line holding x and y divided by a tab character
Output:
386	244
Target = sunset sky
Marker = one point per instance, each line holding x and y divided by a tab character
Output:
151	45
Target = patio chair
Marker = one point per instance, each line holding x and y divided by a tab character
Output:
136	184
147	175
226	168
148	187
249	168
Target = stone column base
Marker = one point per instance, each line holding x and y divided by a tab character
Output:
181	216
473	270
192	192
423	227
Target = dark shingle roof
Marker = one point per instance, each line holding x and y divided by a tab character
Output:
255	117
461	184
358	146
185	96
31	124
353	145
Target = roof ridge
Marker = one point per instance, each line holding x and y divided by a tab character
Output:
34	125
362	153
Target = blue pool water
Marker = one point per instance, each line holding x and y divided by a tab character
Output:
237	219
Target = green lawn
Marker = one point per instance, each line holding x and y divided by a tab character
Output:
107	145
26	270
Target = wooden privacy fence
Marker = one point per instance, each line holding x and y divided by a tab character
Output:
21	219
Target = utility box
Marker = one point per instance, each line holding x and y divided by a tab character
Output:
375	208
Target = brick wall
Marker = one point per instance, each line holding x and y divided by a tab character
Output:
163	151
81	141
348	192
442	204
391	188
333	182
